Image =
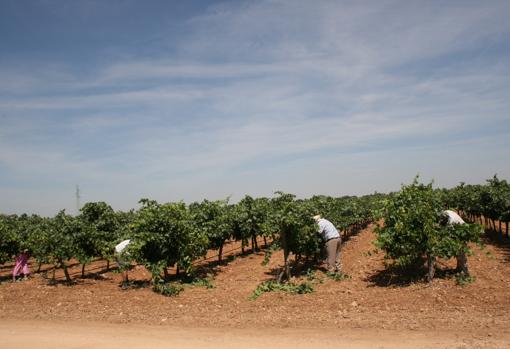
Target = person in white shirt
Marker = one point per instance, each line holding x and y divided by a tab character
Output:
451	218
121	262
333	243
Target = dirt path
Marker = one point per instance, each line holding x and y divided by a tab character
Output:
42	335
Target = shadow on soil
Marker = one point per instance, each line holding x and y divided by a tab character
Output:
499	240
5	278
298	268
92	273
134	285
394	276
203	275
205	269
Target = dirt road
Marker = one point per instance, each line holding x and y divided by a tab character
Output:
40	334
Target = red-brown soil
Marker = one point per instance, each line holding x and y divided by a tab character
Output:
371	299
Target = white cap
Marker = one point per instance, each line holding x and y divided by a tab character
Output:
121	246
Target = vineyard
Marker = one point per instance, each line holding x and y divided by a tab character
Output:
225	264
176	235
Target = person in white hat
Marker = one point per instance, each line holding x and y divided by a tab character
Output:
451	218
123	265
333	243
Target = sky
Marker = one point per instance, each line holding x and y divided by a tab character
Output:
186	100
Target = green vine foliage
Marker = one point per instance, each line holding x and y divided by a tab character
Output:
165	235
102	233
54	240
252	218
9	239
295	223
454	239
412	229
491	200
214	219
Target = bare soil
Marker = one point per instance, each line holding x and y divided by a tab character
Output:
373	300
48	335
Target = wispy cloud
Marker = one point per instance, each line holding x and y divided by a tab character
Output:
258	96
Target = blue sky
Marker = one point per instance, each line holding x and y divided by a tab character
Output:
189	99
